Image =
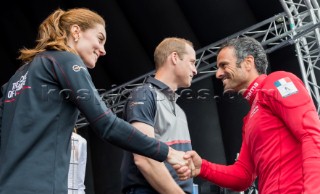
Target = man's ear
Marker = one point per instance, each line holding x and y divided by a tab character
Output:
249	62
174	57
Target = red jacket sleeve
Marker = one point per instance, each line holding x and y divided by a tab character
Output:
295	107
238	176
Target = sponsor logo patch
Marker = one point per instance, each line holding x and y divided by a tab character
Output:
18	86
286	87
77	68
135	103
254	111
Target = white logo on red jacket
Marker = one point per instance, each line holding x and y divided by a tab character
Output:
254	110
251	91
286	87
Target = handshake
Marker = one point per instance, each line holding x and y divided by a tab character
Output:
186	164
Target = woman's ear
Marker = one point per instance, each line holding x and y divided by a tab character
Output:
75	32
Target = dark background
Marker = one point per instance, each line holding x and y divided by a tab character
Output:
134	28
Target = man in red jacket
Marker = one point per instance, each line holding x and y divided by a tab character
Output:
281	132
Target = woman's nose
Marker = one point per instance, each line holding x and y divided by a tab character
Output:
102	51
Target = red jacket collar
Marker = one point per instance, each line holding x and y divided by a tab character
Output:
251	91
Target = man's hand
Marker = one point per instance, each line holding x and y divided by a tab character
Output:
192	169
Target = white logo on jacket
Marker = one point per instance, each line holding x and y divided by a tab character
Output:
17	86
286	87
77	68
254	111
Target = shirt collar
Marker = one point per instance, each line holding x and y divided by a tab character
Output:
163	88
157	83
251	91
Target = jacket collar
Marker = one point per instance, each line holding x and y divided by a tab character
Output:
254	87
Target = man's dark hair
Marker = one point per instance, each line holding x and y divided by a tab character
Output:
245	46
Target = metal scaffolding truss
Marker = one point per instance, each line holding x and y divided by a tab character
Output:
297	25
307	43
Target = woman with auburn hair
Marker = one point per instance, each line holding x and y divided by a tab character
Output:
41	103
